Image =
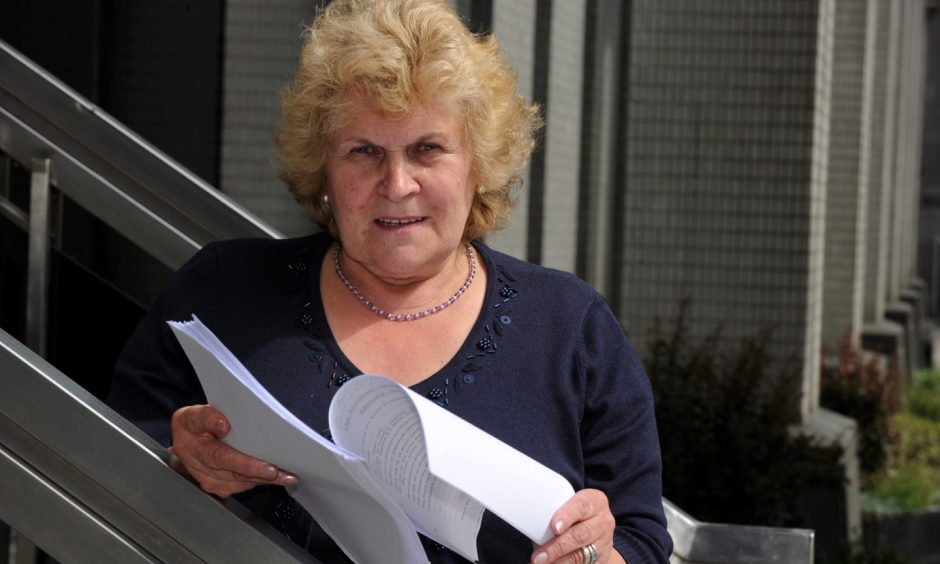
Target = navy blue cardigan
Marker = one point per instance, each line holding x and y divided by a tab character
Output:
546	369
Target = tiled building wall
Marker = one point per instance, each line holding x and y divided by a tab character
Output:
919	56
514	26
880	191
601	138
262	43
846	198
900	110
819	186
893	302
686	153
727	157
900	178
562	148
910	114
929	224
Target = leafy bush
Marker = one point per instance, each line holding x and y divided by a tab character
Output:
911	488
924	405
911	480
863	386
927	380
919	440
724	419
924	398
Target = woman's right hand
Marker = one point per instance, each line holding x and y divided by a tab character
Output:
219	469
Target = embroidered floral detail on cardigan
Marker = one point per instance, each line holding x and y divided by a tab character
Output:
485	346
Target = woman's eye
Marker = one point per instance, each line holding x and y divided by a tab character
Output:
427	147
364	150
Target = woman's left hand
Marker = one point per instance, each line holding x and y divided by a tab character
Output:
584	519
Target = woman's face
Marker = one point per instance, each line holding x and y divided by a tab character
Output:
400	190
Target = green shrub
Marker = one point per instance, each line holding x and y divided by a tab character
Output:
923	398
911	480
924	404
865	388
918	441
927	380
910	488
728	454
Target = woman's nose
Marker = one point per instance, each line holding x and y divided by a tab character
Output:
399	181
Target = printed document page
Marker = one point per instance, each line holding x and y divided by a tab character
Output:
394	429
334	485
522	491
374	418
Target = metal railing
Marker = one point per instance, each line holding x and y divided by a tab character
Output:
706	543
74	509
72	145
109	170
81	482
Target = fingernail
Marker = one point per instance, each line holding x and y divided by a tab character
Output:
219	426
269	472
559	526
289	480
540	557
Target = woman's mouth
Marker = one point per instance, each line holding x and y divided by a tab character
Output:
390	222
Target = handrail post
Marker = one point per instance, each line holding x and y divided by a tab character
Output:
7	209
22	550
5	161
37	280
37	299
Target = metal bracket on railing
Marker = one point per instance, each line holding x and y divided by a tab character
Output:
37	281
17	216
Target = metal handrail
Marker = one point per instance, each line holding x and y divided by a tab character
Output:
109	170
97	500
79	480
705	543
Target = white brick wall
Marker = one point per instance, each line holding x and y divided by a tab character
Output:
727	130
514	26
727	152
600	157
881	187
563	135
819	183
910	118
262	43
846	202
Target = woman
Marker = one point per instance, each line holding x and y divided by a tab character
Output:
403	134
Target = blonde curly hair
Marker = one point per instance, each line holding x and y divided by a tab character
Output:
398	54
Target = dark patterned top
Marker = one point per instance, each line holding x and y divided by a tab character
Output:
546	369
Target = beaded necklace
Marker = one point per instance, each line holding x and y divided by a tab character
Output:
407	316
